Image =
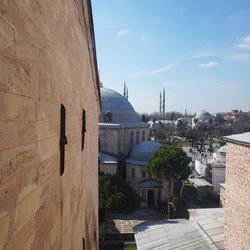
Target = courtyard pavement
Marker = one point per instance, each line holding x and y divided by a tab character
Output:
124	223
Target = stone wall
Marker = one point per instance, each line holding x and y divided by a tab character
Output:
115	138
237	202
46	60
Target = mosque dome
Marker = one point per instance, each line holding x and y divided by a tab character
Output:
141	152
116	108
203	114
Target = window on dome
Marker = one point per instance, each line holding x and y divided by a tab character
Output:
131	138
137	137
143	135
108	117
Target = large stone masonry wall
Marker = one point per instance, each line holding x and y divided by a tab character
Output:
45	61
237	201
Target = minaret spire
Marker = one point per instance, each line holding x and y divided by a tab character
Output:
127	93
160	102
163	102
124	89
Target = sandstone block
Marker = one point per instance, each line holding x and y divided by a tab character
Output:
27	132
7	33
19	107
26	208
48	147
15	159
20	237
4	227
9	136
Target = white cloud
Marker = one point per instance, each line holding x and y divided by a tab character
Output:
123	33
153	72
204	53
234	86
240	57
210	64
162	69
245	44
226	85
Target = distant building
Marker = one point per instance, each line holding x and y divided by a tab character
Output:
49	108
237	201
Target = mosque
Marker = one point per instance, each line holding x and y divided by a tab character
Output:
125	146
201	119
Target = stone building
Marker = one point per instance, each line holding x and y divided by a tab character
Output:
236	192
136	173
49	108
124	147
119	128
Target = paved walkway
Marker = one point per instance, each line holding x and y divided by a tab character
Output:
124	223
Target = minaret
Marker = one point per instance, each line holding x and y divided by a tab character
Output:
124	90
163	102
160	103
127	94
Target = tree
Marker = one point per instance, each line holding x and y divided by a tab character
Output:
115	195
168	163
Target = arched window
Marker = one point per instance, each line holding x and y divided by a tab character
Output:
137	137
143	135
108	117
143	174
131	138
132	173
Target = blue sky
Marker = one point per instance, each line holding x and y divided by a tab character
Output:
198	50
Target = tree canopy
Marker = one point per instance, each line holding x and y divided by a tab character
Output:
116	195
170	161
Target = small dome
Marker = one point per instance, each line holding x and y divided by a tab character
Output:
223	149
219	158
142	151
116	108
203	114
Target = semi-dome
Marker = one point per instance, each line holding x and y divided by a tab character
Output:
116	108
141	152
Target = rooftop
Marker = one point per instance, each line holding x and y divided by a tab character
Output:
243	139
107	158
211	221
199	182
171	234
204	230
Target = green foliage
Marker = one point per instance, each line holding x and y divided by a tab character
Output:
180	204
116	195
170	161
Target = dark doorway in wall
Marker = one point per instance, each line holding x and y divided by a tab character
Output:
151	196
